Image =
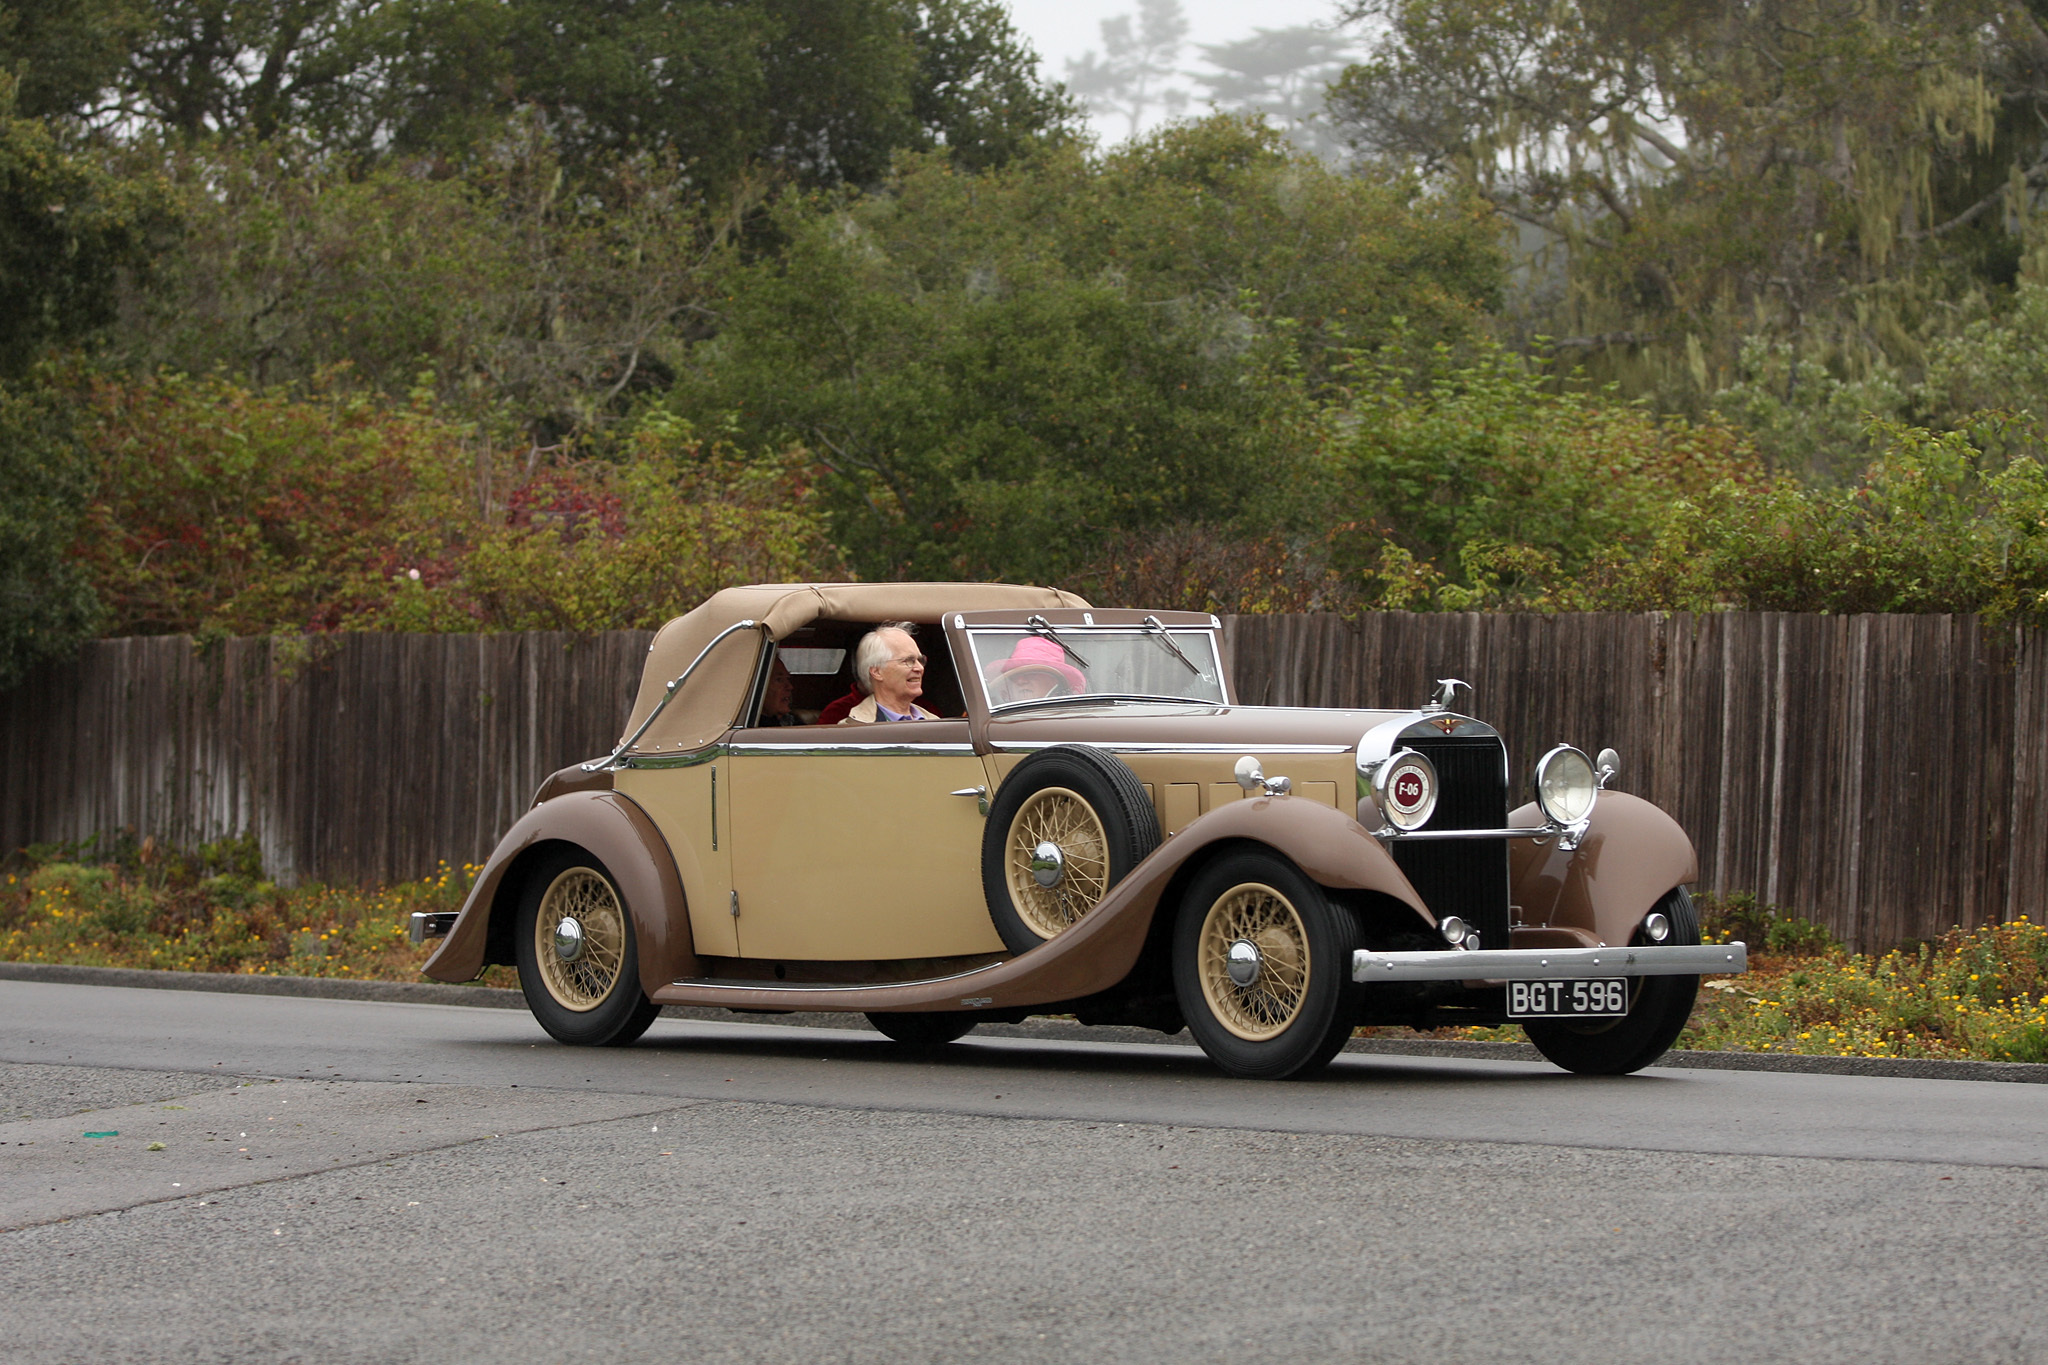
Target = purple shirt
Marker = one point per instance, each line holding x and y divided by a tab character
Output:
884	713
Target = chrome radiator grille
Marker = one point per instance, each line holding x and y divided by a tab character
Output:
1469	880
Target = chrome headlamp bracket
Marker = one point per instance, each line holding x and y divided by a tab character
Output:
1568	836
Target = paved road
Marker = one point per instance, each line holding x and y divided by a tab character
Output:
431	1183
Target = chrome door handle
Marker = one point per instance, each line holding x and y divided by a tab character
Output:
979	793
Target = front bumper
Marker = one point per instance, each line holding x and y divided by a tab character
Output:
1549	964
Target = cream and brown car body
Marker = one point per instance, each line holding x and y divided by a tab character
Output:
812	867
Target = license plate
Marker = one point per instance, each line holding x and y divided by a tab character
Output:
1567	999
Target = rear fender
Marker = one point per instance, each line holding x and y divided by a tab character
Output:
1632	854
615	831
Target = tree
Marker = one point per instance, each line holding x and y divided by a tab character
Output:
68	230
820	91
511	288
257	67
47	602
1001	374
1282	73
1131	77
64	55
1826	173
977	92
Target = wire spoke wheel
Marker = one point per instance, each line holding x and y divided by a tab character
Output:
1264	1006
584	980
1062	817
1066	825
1658	1008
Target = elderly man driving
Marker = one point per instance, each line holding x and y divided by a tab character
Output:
889	667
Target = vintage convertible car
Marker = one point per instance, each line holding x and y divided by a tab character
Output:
1104	842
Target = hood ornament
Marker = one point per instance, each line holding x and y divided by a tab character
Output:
1446	695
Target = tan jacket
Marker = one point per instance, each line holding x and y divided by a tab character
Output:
864	714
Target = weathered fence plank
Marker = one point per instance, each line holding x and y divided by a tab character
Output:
1887	774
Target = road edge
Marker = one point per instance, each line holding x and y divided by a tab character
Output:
489	997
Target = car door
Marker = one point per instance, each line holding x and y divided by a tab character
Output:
681	795
851	842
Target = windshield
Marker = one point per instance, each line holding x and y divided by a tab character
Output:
1018	666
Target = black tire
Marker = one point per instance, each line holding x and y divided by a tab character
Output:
1658	1009
922	1030
594	1000
1297	1011
1090	805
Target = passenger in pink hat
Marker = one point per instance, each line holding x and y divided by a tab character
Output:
1036	668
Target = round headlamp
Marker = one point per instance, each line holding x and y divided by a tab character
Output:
1566	785
1404	789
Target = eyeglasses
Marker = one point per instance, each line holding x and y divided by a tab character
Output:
910	660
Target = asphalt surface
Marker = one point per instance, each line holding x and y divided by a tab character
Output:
362	1181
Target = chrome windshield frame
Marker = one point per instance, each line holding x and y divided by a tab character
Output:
1209	635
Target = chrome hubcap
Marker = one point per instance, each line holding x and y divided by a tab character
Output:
568	940
1048	864
1056	860
1243	963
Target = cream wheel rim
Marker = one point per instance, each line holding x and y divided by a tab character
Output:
1256	914
583	982
1062	817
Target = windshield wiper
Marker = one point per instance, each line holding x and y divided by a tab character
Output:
1152	623
1038	625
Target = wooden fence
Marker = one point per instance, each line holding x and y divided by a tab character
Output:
1888	775
352	757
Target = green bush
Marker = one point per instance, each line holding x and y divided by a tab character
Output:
76	879
1740	916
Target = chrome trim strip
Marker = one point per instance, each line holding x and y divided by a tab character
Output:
699	985
634	762
1105	699
1127	747
1549	964
612	763
812	750
1135	629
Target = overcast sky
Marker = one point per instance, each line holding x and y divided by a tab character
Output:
1063	30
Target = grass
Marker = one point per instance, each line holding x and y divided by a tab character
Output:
120	903
1980	993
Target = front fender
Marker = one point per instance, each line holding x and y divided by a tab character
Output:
1632	854
621	836
1328	845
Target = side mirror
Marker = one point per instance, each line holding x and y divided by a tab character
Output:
1607	767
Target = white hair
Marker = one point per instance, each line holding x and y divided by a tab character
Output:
872	652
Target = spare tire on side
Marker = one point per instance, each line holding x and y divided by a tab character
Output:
1068	823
